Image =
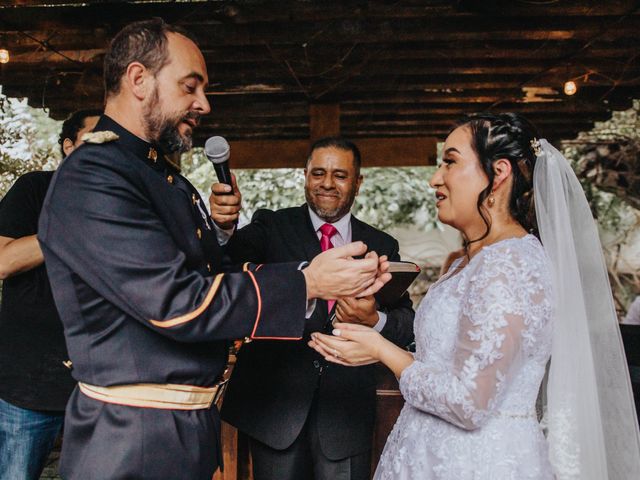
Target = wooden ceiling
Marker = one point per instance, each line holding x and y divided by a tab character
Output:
385	69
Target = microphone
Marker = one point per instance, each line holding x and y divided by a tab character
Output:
217	151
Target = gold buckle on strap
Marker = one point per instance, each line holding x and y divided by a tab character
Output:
154	395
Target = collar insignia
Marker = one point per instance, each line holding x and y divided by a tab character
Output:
105	136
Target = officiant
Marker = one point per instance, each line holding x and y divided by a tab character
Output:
311	420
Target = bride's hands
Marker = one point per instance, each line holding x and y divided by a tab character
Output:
350	344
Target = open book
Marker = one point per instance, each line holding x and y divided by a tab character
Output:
402	275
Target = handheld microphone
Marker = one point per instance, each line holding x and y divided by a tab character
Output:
218	151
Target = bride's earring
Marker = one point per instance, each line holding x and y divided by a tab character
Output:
491	201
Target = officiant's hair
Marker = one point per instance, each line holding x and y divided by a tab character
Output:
340	143
510	136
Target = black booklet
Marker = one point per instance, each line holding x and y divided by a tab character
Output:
402	275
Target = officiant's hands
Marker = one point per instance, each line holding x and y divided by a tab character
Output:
225	203
336	274
350	345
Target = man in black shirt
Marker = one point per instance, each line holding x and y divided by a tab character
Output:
34	381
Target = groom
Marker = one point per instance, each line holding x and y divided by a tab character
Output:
131	256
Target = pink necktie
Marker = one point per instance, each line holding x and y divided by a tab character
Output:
327	230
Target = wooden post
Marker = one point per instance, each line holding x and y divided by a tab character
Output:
389	402
324	121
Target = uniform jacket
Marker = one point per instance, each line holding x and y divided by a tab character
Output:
132	263
274	384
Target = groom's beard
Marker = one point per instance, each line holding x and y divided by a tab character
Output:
164	129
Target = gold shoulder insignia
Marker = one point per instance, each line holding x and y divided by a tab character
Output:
99	137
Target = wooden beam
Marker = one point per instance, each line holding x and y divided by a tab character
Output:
398	152
271	77
259	57
376	152
245	12
268	153
324	121
206	24
51	58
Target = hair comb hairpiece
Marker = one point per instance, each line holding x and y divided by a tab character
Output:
535	145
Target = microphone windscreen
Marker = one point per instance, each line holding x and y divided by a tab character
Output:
217	149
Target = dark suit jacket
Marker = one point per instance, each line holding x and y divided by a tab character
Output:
274	383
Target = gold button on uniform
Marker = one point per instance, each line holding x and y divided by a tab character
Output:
170	178
152	155
209	267
194	198
199	233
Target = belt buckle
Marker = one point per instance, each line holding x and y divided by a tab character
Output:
219	394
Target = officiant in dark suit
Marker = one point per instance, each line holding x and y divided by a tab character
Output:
307	419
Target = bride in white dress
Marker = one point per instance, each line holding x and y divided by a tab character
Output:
487	328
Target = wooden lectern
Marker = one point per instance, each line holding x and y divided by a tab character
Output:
389	402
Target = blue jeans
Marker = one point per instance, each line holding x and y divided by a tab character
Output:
26	438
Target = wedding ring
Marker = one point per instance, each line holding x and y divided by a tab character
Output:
335	353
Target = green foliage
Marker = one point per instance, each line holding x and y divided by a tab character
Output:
607	163
28	141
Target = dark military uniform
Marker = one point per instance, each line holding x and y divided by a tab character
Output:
129	249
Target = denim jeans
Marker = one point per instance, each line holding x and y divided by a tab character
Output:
26	438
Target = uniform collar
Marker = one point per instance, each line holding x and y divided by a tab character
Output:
148	152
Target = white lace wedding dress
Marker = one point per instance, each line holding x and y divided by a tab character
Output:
483	338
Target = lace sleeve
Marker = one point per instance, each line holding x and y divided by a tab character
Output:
499	293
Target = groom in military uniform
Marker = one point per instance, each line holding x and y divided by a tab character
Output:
132	259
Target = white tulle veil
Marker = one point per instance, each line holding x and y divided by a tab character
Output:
590	417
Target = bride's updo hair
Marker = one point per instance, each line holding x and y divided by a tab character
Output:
505	135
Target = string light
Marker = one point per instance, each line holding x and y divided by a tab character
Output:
570	88
4	55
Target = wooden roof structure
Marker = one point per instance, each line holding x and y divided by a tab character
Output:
391	75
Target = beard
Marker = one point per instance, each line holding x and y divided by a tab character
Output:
331	214
162	127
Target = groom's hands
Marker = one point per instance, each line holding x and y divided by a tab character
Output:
335	273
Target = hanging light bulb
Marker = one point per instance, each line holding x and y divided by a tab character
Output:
570	88
4	55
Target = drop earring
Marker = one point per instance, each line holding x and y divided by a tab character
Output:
491	201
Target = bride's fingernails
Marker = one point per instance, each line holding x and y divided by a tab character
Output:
336	332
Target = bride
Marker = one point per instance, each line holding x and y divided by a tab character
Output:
530	287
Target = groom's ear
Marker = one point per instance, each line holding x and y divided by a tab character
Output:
502	171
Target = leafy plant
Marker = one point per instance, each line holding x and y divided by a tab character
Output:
28	141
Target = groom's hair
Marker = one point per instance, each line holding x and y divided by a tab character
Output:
144	41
